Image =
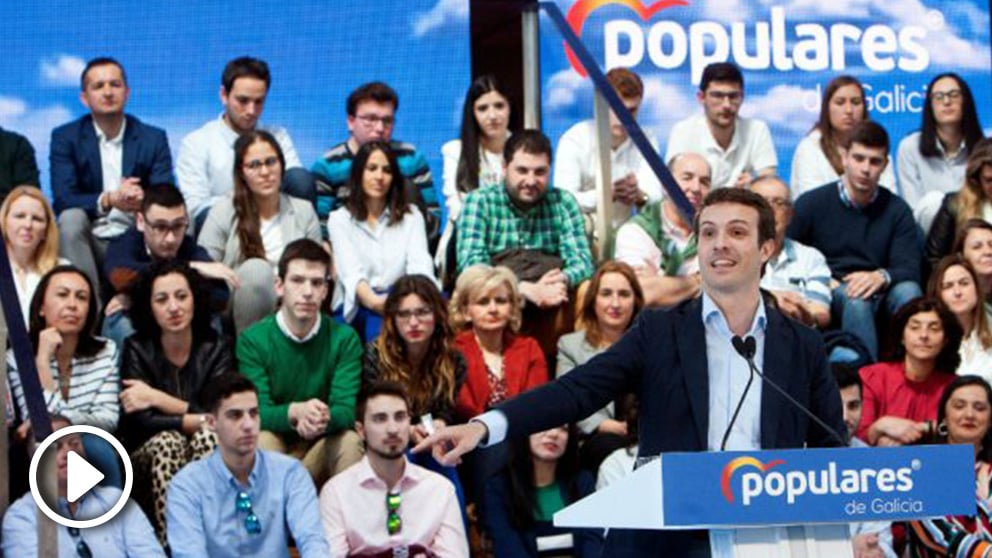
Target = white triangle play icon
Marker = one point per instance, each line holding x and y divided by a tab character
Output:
82	477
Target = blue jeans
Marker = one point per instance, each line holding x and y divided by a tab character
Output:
858	315
117	327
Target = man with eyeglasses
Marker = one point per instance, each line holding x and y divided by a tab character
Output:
205	163
384	505
241	501
796	275
307	368
371	110
738	149
100	164
158	234
128	535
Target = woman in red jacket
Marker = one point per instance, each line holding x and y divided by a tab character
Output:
485	311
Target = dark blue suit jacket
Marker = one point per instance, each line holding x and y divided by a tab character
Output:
663	360
77	175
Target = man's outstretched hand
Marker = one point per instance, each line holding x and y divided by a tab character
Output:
450	443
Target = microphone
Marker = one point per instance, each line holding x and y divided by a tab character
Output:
747	351
747	348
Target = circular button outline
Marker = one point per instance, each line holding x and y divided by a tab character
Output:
81	523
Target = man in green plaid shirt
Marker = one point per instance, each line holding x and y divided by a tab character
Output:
523	213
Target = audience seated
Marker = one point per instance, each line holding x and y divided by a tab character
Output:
241	501
541	478
207	154
931	162
899	397
534	230
634	183
78	371
971	201
486	314
738	149
974	244
307	368
129	535
420	517
963	417
955	284
248	231
796	275
377	237
658	242
608	308
371	110
866	233
872	538
31	239
818	157
18	166
166	364
159	234
99	165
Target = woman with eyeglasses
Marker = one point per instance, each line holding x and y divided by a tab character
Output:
166	364
486	313
541	478
955	284
964	416
377	237
973	201
932	162
248	231
31	237
817	159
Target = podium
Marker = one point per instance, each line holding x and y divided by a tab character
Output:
786	503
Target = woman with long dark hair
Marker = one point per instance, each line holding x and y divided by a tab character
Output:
955	284
247	232
377	237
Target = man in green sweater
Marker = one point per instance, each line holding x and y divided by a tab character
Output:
307	368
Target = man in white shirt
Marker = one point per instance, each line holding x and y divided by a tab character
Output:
738	149
205	166
634	184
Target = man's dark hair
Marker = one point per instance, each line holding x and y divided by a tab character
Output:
869	134
224	386
245	66
381	387
165	195
100	61
374	91
846	375
740	196
532	142
303	249
723	72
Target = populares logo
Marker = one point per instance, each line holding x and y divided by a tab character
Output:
759	480
775	43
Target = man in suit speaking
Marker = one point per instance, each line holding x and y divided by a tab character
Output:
686	373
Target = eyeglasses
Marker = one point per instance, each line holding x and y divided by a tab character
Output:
82	549
252	523
257	164
373	119
720	96
393	521
421	313
163	228
952	95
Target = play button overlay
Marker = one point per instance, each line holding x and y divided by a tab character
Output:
81	478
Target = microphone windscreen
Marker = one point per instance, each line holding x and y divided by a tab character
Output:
739	345
750	346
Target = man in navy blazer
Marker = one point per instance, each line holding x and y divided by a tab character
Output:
100	164
686	374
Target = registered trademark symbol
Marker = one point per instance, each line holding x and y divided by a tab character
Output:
916	465
934	20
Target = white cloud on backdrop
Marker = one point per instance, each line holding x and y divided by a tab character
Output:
444	12
62	70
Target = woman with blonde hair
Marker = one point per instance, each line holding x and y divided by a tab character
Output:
31	237
972	201
486	311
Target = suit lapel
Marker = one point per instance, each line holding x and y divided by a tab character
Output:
777	369
91	150
690	335
130	148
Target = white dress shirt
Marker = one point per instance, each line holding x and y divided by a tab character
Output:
751	148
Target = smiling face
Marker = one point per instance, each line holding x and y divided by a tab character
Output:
492	115
377	176
172	303
550	445
958	290
730	255
978	250
967	415
923	336
66	303
614	301
25	224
